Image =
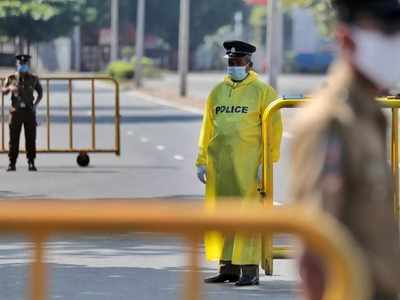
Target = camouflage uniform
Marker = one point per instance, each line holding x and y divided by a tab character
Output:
23	113
340	165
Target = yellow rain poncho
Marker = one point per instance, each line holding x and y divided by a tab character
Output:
230	147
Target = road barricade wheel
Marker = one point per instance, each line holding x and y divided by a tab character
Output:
83	159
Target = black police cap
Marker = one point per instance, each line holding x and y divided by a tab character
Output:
386	12
23	58
238	48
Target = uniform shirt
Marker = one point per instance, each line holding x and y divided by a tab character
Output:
230	146
235	109
26	85
340	165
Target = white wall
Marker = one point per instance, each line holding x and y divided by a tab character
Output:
305	32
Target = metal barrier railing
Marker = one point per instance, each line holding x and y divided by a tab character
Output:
347	273
72	148
268	175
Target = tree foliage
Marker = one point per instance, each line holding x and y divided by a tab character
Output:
322	10
162	17
41	20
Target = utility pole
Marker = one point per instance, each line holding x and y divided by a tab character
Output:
77	48
184	25
114	29
274	41
140	22
238	25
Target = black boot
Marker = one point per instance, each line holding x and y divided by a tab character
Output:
227	272
11	167
31	166
249	276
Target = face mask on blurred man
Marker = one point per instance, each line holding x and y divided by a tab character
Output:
377	56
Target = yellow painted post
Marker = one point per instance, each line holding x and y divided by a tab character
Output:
385	102
267	246
192	286
48	112
2	120
38	279
93	116
117	119
70	120
395	159
268	172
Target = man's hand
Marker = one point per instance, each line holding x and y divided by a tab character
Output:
10	88
202	174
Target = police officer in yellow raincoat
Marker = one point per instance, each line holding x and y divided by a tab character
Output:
230	158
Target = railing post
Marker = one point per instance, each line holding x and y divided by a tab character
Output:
93	115
268	173
2	120
395	159
117	119
48	112
71	139
192	286
38	279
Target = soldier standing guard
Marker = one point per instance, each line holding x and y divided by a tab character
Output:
22	85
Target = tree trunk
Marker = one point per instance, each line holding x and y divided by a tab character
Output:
20	45
28	47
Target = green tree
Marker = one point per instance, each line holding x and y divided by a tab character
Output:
162	17
322	10
41	20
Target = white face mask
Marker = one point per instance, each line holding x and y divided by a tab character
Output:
377	56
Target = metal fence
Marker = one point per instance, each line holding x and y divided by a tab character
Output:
83	152
347	272
392	103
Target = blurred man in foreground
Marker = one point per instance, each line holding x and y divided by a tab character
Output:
340	153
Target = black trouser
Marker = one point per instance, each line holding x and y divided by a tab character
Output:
27	118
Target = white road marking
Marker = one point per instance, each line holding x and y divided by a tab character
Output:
163	102
160	148
129	132
144	140
178	157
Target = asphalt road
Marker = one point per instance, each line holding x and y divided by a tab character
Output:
159	146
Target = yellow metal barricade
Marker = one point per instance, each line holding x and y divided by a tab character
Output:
82	152
347	273
268	175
